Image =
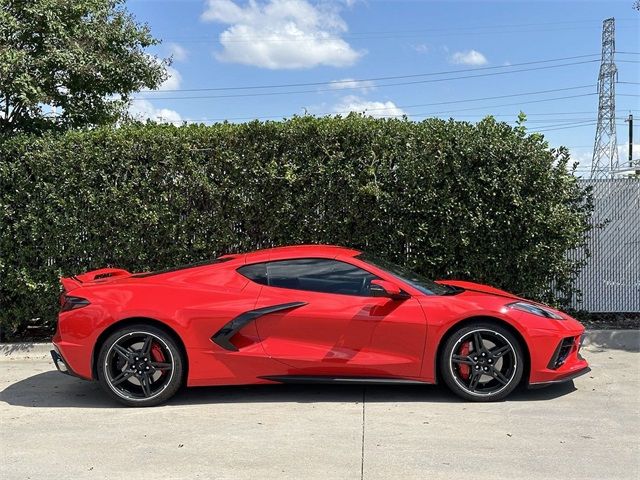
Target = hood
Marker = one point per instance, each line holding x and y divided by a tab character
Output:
478	287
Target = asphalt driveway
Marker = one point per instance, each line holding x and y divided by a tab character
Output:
57	427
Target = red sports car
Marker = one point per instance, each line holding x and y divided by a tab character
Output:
308	313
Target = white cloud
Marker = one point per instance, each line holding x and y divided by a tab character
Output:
421	48
173	80
144	110
470	57
363	85
623	151
178	52
281	34
584	156
356	104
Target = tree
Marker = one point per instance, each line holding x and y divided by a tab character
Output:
68	63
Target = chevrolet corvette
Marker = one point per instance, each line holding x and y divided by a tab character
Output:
307	313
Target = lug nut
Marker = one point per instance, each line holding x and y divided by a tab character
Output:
490	360
147	368
484	354
475	358
486	369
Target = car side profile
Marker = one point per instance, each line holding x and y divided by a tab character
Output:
308	313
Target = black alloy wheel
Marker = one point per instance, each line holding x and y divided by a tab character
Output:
482	362
140	365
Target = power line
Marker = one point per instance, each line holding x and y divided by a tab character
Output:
577	125
590	124
539	92
293	92
567	124
453	29
392	34
371	79
422	114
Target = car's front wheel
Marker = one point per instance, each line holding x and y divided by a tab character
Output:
482	362
140	365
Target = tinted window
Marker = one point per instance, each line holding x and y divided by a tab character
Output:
256	272
319	275
417	281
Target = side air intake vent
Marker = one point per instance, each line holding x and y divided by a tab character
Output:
562	352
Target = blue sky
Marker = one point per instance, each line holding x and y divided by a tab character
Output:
228	44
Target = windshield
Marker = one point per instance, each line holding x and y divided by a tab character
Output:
417	281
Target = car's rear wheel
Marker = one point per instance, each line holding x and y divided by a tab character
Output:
482	362
140	365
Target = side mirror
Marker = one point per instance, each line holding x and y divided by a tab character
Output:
382	288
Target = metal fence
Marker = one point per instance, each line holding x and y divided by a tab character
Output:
610	281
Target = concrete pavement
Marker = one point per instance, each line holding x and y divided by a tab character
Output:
58	427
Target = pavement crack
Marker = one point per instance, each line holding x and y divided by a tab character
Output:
364	391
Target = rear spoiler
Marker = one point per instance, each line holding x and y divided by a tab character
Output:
70	283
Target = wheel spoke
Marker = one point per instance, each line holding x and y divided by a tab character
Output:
125	375
497	374
475	378
146	388
160	366
500	351
146	346
478	344
123	352
461	359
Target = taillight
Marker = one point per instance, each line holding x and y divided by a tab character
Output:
72	303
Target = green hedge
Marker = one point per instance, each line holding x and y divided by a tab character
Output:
483	201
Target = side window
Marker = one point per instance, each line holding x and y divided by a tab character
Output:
319	275
256	272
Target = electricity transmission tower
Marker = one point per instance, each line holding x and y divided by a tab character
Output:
605	147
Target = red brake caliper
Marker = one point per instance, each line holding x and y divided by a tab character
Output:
156	353
464	369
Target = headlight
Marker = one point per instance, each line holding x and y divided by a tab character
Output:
535	309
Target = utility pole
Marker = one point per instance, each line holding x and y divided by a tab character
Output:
630	121
605	149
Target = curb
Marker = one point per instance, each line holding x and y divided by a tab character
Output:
25	350
614	339
628	340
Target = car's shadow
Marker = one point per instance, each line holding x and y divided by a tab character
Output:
51	389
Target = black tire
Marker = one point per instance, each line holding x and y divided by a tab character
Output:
484	374
140	366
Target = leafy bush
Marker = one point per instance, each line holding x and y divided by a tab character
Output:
484	201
